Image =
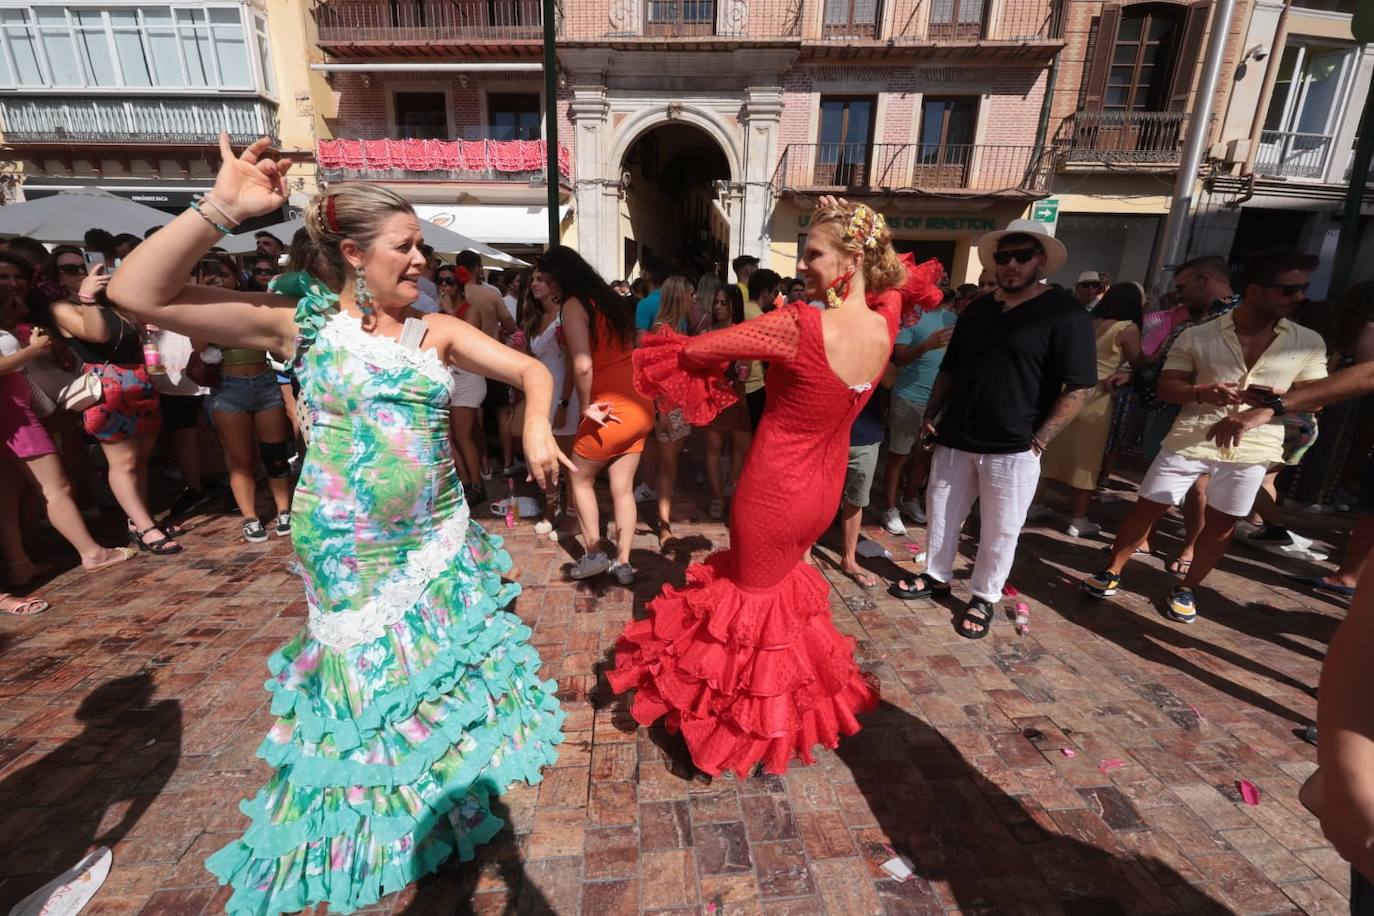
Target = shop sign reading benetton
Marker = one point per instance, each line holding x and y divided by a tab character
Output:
898	221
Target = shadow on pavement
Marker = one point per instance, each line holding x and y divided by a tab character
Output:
993	852
1151	637
497	865
127	750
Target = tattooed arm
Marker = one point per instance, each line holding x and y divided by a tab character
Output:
1061	415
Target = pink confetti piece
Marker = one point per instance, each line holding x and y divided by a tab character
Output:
1068	752
1111	763
913	547
1195	711
710	907
1009	591
1248	791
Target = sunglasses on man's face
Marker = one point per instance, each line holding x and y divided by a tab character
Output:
1090	285
72	270
1019	255
1289	289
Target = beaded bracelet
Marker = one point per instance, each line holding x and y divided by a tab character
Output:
195	205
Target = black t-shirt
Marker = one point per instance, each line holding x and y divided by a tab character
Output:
1008	369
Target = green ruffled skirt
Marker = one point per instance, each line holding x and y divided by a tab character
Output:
387	754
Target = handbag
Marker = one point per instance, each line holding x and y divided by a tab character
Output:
39	400
88	389
206	375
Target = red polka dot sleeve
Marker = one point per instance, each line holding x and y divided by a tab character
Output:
688	372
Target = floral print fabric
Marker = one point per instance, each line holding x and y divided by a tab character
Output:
411	697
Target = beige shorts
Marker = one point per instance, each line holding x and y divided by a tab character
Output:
904	425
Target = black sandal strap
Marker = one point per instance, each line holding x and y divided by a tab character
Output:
979	614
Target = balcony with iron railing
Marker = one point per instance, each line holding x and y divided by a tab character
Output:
491	27
460	156
971	169
152	121
1286	154
1145	140
428	27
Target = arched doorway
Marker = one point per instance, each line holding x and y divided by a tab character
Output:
675	178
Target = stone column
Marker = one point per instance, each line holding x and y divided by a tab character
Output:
594	177
751	225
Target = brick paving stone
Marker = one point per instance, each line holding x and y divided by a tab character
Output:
961	769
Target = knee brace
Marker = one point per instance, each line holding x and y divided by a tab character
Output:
276	457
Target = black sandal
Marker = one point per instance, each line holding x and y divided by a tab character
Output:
917	587
162	548
978	612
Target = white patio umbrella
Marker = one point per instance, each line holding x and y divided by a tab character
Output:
63	218
439	237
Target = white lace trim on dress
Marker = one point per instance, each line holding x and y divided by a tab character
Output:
398	595
345	331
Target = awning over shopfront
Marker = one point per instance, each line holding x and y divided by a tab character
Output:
494	224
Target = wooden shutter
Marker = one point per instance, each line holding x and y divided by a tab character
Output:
1189	55
1099	61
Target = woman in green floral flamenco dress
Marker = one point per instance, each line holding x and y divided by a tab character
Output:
411	697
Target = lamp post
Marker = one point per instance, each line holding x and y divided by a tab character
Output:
551	115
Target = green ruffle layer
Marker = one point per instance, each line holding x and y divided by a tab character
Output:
377	786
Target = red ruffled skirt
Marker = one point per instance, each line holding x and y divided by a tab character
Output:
745	676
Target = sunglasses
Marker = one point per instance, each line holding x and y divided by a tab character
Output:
1288	289
72	269
1019	255
447	281
1090	285
264	270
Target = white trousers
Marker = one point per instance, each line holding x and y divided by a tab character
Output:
1004	486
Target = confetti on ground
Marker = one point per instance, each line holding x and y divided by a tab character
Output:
1068	752
1111	763
1248	791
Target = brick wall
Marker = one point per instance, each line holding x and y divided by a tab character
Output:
1079	25
1013	110
362	102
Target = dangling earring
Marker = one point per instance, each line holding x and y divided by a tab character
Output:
835	292
362	296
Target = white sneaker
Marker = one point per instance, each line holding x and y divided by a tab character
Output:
914	510
1038	513
1082	528
645	493
892	521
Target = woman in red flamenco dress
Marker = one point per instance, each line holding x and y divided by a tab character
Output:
745	660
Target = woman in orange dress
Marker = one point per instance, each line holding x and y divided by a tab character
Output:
598	327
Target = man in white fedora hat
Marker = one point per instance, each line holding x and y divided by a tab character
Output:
1018	368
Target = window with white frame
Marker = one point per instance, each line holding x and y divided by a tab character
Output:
134	47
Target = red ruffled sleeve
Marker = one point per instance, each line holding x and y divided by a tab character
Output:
689	372
921	291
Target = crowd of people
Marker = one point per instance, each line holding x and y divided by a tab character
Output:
374	394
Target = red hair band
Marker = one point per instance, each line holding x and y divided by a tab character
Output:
330	219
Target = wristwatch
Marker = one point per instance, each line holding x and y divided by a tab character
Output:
563	402
1275	403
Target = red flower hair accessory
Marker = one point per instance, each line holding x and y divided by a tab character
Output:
463	275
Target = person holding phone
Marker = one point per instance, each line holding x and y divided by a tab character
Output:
1212	368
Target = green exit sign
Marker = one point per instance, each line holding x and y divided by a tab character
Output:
1045	211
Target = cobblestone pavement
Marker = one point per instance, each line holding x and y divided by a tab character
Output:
1087	767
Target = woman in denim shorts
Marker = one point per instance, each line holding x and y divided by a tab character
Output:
248	408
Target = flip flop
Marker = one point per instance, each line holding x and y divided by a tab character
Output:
22	607
124	554
1316	584
1179	567
861	579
